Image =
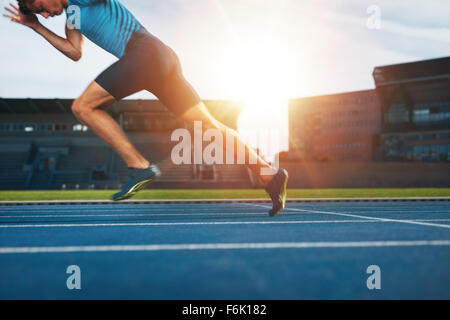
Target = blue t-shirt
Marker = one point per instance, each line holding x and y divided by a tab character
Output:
107	23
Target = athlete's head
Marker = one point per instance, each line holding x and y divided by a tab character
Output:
46	8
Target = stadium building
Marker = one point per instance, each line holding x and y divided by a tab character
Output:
336	127
415	103
406	118
397	135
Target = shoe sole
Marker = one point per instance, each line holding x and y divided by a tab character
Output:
133	190
283	195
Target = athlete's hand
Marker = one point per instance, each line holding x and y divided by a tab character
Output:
29	20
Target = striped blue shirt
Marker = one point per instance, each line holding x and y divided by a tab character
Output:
107	23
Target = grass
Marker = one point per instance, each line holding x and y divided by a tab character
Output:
158	194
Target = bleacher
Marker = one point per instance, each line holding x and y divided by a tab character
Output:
231	173
83	158
152	150
61	179
175	173
12	160
75	167
61	153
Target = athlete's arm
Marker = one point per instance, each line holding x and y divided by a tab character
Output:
72	47
77	40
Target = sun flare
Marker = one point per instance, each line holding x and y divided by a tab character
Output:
259	76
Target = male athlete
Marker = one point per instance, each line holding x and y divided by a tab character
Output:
145	63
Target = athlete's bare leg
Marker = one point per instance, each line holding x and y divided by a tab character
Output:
179	94
89	109
199	112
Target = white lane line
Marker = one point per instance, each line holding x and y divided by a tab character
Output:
181	214
380	211
84	208
155	224
152	210
139	215
106	210
219	214
136	211
430	220
131	224
223	246
205	206
166	207
361	217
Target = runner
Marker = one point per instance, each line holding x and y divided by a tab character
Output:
145	63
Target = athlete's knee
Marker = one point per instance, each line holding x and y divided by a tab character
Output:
76	107
206	122
199	112
213	124
80	107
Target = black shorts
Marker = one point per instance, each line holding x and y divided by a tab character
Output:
148	64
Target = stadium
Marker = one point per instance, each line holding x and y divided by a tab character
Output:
367	194
352	139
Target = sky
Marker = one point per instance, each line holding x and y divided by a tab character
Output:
242	49
262	52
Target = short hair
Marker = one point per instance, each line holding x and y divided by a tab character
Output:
23	7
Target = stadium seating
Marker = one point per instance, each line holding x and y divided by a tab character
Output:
70	178
231	173
172	173
12	175
83	158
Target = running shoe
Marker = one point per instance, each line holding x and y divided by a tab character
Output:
276	189
136	181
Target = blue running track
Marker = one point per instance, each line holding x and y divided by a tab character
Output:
314	250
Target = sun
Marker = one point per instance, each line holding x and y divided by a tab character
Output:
258	75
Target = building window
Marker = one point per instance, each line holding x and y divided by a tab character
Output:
30	128
398	113
18	127
434	155
79	128
417	153
442	152
421	115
